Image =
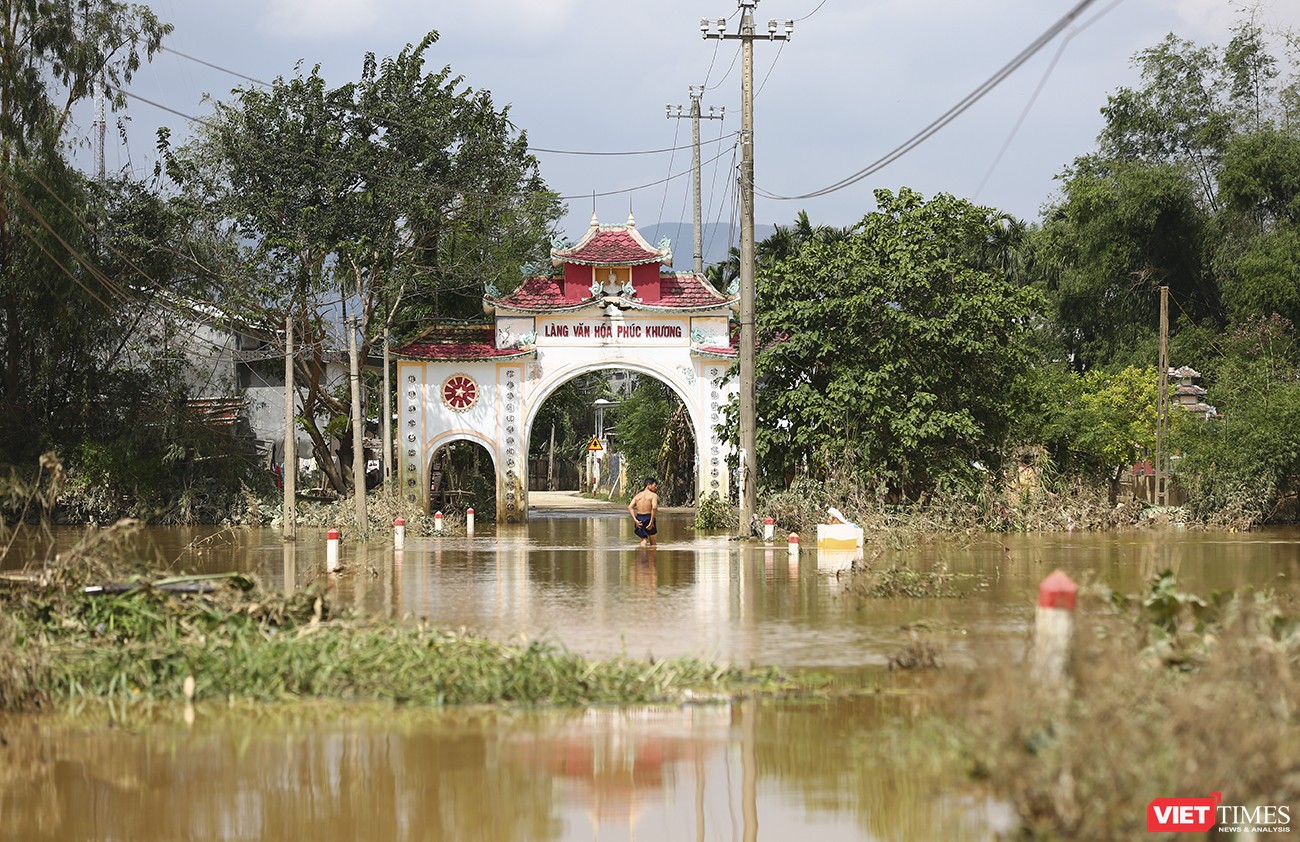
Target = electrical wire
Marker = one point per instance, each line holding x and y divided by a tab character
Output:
677	127
642	186
770	68
180	309
614	154
1020	121
713	188
948	116
468	204
364	113
813	12
730	67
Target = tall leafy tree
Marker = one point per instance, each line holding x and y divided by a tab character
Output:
1101	422
60	318
1122	230
399	195
1246	463
898	344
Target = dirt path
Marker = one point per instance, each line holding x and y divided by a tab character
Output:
571	501
568	501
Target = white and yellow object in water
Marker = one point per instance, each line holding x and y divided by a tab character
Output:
839	536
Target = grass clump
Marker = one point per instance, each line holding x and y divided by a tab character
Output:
898	581
237	642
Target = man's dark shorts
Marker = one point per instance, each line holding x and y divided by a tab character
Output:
642	521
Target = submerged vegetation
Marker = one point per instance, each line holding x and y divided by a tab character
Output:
87	626
1144	716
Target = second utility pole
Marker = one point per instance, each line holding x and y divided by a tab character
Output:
696	116
747	463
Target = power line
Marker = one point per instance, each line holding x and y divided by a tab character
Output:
198	60
813	12
730	67
677	127
640	152
770	68
365	113
641	186
949	115
1020	121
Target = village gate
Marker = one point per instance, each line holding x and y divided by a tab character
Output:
609	302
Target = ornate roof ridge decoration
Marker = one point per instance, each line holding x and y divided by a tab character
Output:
540	294
613	245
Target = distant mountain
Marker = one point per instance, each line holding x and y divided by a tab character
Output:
718	238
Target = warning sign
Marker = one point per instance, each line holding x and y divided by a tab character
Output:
594	446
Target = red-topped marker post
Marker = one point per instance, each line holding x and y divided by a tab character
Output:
399	533
1053	630
437	522
769	529
469	521
332	550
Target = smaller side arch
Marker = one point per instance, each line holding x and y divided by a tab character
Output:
433	445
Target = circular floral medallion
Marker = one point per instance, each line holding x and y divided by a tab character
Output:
460	392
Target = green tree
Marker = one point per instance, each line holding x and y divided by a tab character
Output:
1104	421
655	436
1247	462
1179	116
899	344
1121	231
60	317
399	195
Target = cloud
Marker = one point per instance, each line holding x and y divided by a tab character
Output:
524	20
311	19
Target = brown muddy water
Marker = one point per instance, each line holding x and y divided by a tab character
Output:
750	770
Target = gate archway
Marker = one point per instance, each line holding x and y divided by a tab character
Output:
611	303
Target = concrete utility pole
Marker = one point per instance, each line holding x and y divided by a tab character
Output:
358	427
696	116
289	474
746	36
388	423
1162	404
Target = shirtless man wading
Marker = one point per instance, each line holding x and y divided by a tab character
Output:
643	508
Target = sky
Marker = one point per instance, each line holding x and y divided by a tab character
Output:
856	80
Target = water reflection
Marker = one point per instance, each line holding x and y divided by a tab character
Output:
746	771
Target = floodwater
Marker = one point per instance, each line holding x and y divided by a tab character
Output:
749	770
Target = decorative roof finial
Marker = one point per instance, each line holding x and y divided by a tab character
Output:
595	223
631	220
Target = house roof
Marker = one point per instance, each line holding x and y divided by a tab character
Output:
459	342
613	245
217	412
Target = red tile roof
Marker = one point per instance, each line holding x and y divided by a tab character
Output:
458	342
537	294
611	245
676	292
688	290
